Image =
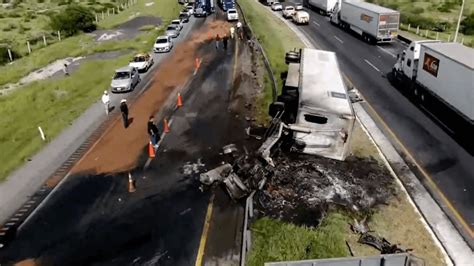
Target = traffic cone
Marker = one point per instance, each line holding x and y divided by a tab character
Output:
131	184
166	126
151	150
180	100
209	36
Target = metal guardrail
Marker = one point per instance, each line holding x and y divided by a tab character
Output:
265	58
402	259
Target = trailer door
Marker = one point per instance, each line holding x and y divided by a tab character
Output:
388	26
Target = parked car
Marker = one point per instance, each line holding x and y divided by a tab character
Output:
125	79
177	23
232	14
163	44
301	17
298	7
277	6
142	62
288	11
184	17
172	31
190	9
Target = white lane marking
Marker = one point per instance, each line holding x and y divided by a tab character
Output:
372	65
338	39
387	52
316	23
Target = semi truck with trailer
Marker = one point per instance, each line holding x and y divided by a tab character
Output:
227	4
314	112
375	24
440	76
203	8
323	6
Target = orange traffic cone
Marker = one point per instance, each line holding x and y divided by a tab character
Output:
166	126
209	36
131	184
151	150
180	100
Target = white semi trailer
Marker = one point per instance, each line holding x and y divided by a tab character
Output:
323	6
375	24
319	114
441	75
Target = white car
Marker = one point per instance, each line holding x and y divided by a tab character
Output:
142	62
163	44
301	17
190	9
125	79
232	14
277	6
298	7
177	23
288	11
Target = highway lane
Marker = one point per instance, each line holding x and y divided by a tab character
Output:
447	162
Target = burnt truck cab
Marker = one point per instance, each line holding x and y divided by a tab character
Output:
315	105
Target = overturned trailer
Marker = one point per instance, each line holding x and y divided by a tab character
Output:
314	107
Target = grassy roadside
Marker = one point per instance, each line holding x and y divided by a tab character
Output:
276	40
85	45
54	104
274	240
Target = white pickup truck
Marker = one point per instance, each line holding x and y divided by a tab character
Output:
288	11
301	17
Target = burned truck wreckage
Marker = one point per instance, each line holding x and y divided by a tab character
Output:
316	116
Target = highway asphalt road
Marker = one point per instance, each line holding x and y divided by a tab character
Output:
93	220
440	155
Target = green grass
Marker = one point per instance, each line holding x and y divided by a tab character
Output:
85	45
274	240
276	39
467	40
54	104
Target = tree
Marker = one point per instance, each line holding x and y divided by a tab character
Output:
73	19
467	25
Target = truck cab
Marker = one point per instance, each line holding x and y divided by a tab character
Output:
407	62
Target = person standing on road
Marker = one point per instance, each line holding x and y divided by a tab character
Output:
106	102
217	41
239	29
224	41
153	132
65	70
232	32
124	111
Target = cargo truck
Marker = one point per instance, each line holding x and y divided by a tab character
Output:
314	110
323	6
203	8
227	4
375	24
440	75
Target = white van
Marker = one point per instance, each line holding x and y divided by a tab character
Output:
232	14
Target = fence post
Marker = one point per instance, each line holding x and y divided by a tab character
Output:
426	33
449	37
437	35
96	18
108	12
417	30
44	40
113	10
462	40
10	55
29	47
409	26
59	35
103	15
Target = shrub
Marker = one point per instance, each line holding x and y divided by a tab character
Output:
40	1
416	20
418	10
74	19
467	24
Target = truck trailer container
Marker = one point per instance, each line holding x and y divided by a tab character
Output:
375	24
227	4
317	110
439	74
325	7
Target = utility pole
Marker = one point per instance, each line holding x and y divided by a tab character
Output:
459	22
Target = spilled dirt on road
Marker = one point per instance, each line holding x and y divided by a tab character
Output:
119	148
